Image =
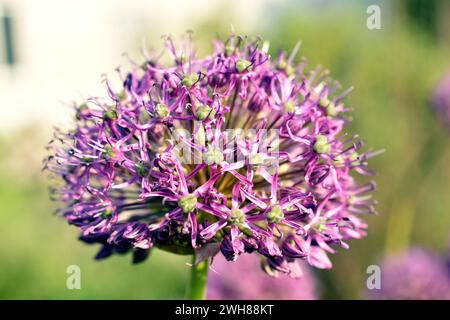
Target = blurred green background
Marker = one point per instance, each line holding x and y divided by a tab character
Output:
393	71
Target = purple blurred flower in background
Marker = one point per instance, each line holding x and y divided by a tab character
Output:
447	257
244	280
416	274
127	184
440	100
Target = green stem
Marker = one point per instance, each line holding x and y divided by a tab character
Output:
196	289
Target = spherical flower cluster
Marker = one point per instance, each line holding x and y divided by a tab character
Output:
415	274
243	280
231	153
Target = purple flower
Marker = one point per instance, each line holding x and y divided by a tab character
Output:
447	256
414	274
243	280
440	100
234	150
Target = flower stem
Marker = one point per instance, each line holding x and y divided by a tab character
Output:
196	289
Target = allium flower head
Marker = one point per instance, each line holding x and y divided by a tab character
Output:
413	275
243	280
235	152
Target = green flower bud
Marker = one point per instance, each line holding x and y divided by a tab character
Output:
289	106
187	203
320	227
284	66
281	64
161	110
242	65
237	216
331	110
111	114
141	169
330	107
324	102
200	136
321	145
144	65
289	70
106	214
204	111
354	158
109	151
229	50
339	159
189	80
86	160
213	156
275	215
256	159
